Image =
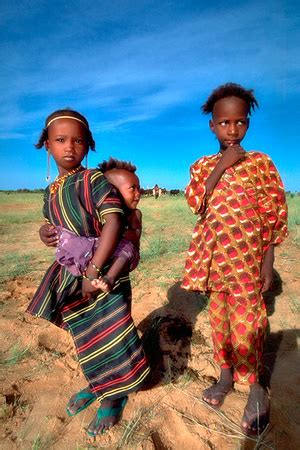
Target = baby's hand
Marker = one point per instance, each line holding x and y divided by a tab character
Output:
102	283
49	235
231	155
96	283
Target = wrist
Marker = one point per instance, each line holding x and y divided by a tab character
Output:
221	165
93	271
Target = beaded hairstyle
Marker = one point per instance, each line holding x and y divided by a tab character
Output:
66	113
230	90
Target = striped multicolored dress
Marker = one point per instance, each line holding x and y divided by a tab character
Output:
108	347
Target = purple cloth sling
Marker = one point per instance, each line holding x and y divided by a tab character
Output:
74	252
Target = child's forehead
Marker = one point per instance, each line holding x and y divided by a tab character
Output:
120	176
67	125
230	105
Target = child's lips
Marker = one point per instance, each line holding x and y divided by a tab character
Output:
231	143
69	158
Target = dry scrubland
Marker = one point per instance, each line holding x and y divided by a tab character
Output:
39	372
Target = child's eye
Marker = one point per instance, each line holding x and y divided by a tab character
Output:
223	123
59	139
79	141
241	122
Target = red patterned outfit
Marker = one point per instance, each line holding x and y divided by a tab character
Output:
245	213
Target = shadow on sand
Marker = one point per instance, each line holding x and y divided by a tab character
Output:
281	361
167	333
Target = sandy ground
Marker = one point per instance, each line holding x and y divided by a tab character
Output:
169	413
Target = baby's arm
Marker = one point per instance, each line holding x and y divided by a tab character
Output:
107	244
134	231
119	263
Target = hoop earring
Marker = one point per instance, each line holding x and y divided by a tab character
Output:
86	161
48	176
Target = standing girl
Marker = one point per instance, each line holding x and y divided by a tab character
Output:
108	347
240	201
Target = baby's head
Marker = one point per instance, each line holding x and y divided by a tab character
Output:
122	175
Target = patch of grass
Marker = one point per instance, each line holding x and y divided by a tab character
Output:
15	265
18	208
37	443
294	218
294	305
43	443
155	247
187	377
5	411
133	430
16	355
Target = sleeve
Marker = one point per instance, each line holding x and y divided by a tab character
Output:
272	203
196	190
46	205
105	197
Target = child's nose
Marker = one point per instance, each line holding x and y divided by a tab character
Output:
70	145
233	129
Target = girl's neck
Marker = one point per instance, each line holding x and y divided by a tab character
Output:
61	178
63	172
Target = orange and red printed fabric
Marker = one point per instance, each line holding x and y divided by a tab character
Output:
238	332
245	213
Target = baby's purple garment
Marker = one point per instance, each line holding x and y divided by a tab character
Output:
74	252
129	252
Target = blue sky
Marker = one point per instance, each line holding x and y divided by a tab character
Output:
139	71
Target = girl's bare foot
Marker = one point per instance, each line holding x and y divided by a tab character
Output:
257	412
215	395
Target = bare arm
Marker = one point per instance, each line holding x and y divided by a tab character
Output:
229	157
267	269
107	244
134	231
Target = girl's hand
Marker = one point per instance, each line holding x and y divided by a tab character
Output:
267	269
49	235
90	286
87	288
231	155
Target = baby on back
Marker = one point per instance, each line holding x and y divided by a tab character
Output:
122	175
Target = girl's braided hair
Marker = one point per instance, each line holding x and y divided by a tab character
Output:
62	113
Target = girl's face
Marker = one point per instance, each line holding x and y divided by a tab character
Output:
229	121
127	184
67	144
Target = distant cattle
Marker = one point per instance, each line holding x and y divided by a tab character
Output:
146	192
174	191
